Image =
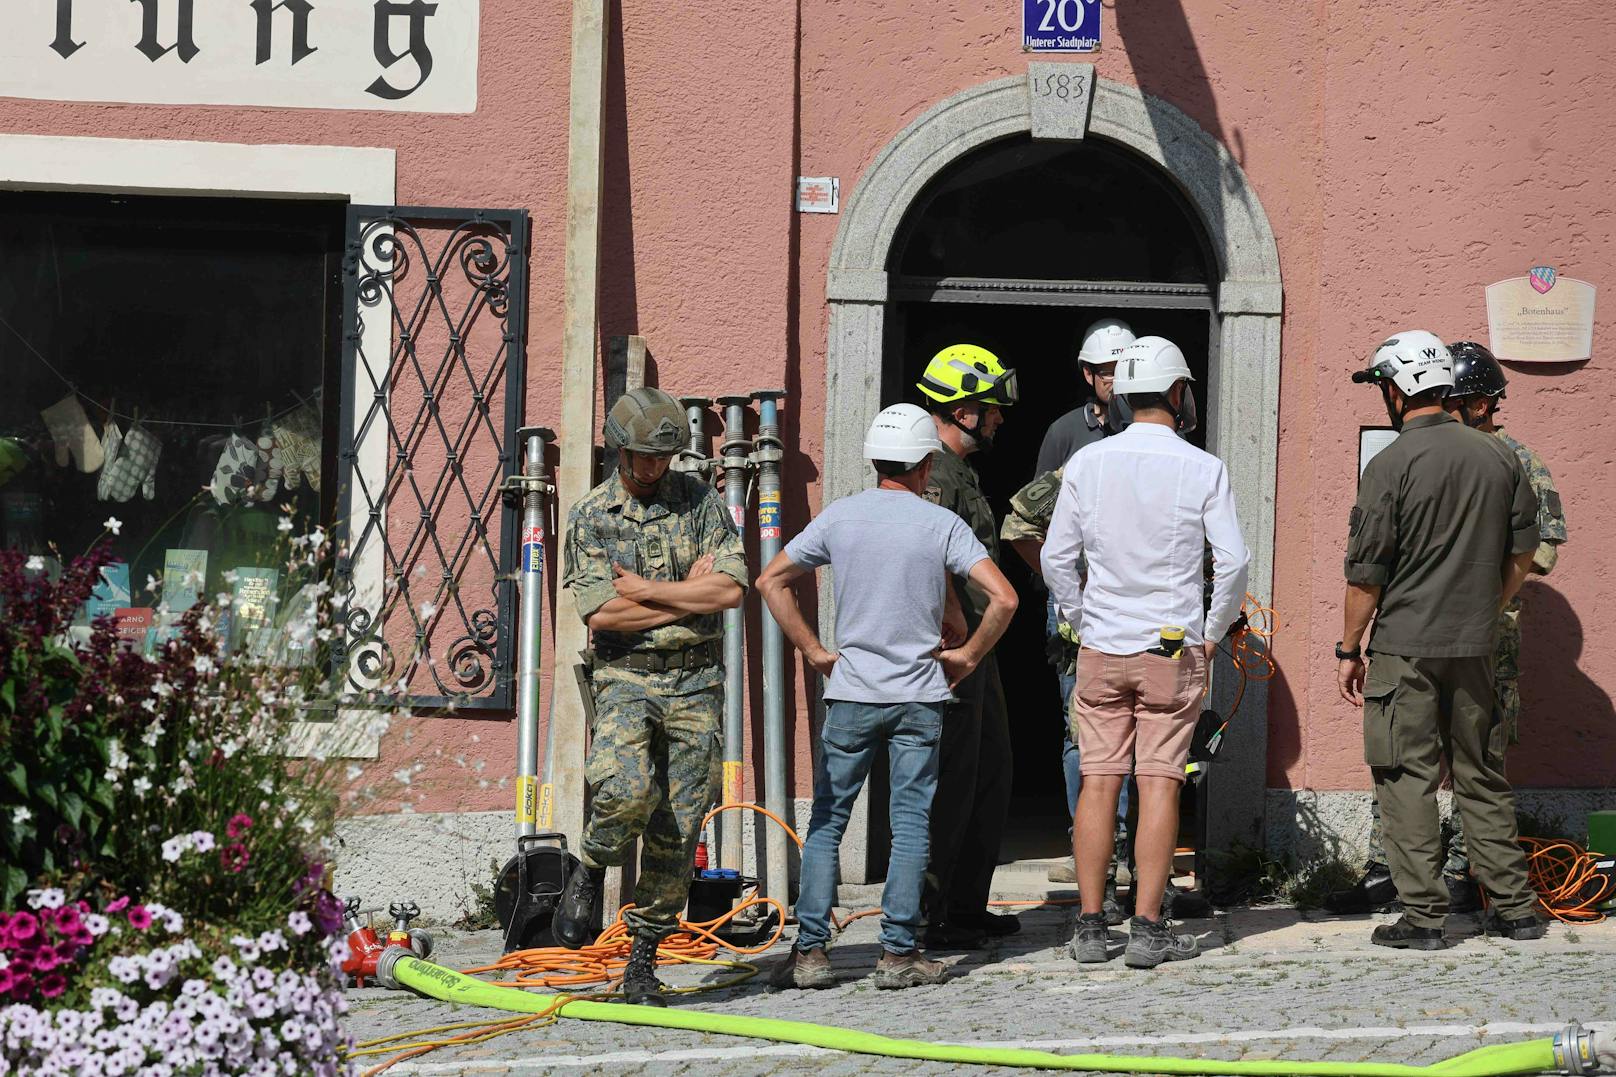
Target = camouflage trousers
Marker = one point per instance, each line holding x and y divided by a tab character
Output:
1507	713
653	771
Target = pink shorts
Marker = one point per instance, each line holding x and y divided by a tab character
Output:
1136	713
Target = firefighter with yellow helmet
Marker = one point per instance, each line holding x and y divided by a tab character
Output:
966	389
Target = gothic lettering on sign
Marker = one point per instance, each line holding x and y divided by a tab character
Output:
265	10
184	40
64	44
417	11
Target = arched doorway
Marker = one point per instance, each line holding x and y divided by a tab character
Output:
966	224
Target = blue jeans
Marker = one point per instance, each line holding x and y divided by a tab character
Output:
1071	757
853	731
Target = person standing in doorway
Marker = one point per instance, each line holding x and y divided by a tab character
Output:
891	554
652	558
1141	507
1443	534
966	388
1097	356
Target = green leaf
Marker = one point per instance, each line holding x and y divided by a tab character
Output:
102	795
8	692
13	881
47	793
72	808
18	776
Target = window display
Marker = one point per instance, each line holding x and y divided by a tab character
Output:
169	363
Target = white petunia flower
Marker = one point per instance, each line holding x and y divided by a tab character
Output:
35	563
113	524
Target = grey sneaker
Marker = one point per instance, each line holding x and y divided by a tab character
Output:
1150	942
805	969
895	971
1089	941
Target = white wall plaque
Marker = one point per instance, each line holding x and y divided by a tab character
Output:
819	194
396	55
1371	440
1541	318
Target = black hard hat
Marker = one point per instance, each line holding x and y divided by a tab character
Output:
1475	371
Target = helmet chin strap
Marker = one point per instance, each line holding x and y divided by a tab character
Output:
982	442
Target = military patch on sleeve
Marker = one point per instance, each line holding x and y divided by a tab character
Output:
1355	521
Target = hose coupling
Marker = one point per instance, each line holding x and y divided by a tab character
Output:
1574	1050
391	956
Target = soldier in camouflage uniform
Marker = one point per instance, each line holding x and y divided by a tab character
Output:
652	558
1478	389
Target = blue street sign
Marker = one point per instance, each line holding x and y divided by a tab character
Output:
1060	25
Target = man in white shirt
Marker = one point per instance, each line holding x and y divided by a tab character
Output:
1141	506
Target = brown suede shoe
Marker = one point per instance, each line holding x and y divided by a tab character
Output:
896	971
805	969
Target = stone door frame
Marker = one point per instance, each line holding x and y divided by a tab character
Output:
1243	382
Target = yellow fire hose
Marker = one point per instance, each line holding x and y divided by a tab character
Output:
1572	1051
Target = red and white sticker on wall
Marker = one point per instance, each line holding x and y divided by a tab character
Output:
769	514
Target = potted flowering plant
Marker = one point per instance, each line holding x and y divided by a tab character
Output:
162	898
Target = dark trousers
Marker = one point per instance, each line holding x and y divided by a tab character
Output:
973	798
1416	712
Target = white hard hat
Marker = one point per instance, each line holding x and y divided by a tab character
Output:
903	433
1104	340
1150	365
1413	360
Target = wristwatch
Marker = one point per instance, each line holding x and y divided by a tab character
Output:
1344	654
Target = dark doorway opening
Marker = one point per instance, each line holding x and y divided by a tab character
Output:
1019	247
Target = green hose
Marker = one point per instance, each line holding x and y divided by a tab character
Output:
1499	1060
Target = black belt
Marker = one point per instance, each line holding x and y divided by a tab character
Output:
697	656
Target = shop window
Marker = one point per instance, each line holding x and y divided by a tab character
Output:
171	363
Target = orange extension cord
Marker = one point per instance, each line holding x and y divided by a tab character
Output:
1561	872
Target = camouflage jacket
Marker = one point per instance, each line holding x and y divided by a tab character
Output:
659	538
955	486
1033	508
1551	524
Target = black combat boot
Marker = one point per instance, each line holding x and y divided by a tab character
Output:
1375	892
1463	895
640	984
575	912
1405	936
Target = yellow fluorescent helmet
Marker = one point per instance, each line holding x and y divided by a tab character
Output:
962	372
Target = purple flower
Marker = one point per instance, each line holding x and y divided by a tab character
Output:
23	926
238	825
67	920
46	959
139	918
327	912
53	985
118	905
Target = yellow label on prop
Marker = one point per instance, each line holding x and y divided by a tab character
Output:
527	799
546	799
732	782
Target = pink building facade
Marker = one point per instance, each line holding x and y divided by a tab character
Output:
1279	185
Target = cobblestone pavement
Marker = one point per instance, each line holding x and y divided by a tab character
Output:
1272	983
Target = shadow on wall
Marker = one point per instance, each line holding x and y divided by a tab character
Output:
1568	724
619	296
1167	64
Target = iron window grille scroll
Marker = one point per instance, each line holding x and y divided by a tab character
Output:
434	368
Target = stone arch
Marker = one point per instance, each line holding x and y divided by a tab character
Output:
1243	379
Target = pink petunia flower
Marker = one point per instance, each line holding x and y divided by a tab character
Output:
234	857
67	920
118	905
46	958
53	985
238	825
139	918
23	926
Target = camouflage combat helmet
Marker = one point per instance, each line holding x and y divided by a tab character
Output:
648	421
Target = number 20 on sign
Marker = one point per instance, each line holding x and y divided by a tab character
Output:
1060	25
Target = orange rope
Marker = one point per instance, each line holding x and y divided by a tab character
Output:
1563	874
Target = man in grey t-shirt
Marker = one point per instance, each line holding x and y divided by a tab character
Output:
891	552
